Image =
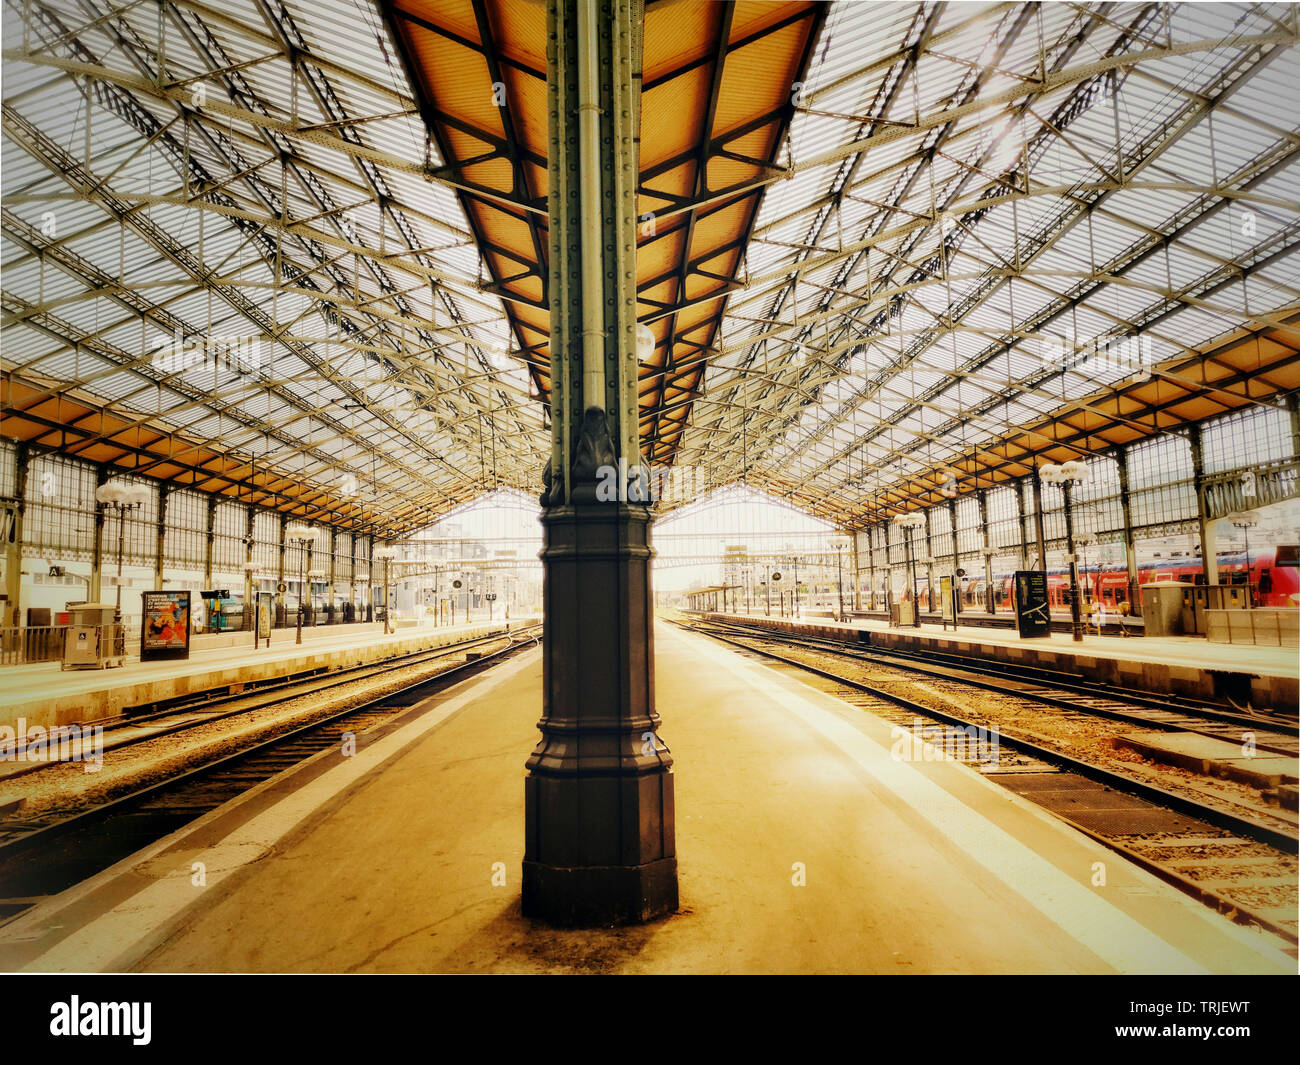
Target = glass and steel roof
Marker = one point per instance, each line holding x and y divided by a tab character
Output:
293	252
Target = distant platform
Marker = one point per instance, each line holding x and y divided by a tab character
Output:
803	847
1111	624
45	695
1182	665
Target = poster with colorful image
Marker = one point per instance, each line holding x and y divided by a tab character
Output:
165	630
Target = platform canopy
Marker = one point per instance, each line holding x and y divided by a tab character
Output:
295	252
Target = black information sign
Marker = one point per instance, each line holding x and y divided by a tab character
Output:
1033	615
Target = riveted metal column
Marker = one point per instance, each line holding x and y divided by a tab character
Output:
364	610
95	588
931	588
370	610
1039	532
857	573
1130	546
990	604
871	567
1020	520
250	604
282	611
164	495
329	602
14	542
352	579
305	585
210	540
956	556
1204	526
598	796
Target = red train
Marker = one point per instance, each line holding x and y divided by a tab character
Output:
1274	573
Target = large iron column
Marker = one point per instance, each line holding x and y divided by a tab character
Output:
250	600
990	603
1037	483
329	602
1130	546
1021	524
1204	524
931	585
95	587
14	543
209	541
857	572
160	541
600	842
282	604
871	567
956	559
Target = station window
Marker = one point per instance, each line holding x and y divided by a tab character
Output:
1255	436
186	532
60	512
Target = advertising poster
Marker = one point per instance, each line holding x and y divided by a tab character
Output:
165	629
264	617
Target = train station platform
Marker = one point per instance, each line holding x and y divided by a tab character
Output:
43	694
1266	677
803	846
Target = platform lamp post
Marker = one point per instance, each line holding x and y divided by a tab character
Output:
387	552
840	544
302	535
909	523
1245	520
1068	474
1085	540
121	495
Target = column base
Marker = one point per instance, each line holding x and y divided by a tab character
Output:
599	896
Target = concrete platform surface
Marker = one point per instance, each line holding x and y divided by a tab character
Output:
803	846
43	694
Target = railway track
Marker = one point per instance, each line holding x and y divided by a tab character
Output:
41	856
1070	692
163	718
1234	860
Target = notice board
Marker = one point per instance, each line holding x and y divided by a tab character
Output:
1033	614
